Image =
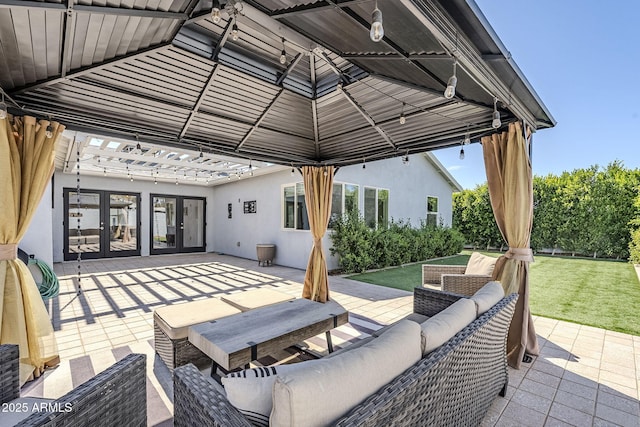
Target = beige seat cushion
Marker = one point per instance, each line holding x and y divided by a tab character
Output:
255	298
440	328
480	264
175	320
329	388
487	296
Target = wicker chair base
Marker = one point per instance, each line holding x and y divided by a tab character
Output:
177	352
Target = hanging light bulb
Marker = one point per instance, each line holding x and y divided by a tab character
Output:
3	108
405	158
250	169
176	181
283	55
496	123
467	138
201	155
105	172
364	165
292	171
234	32
377	32
49	132
155	180
403	119
450	91
215	12
462	153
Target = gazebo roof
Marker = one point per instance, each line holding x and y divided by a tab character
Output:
164	71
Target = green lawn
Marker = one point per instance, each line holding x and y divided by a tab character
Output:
604	294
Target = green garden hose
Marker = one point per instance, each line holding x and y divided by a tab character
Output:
49	287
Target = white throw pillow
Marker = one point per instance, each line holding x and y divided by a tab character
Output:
487	296
480	264
438	329
250	390
327	390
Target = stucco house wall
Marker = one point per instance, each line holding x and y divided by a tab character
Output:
408	184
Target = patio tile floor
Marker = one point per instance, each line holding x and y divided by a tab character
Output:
584	376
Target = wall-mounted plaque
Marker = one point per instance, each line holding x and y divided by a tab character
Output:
250	207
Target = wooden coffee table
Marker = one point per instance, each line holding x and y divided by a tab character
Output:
235	341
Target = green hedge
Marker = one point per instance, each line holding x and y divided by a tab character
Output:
361	248
634	247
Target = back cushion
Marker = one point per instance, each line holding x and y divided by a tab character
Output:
250	390
487	296
480	264
438	329
329	388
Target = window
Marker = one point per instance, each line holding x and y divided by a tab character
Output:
295	207
432	210
344	199
376	207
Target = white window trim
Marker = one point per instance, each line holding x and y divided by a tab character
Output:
376	200
295	208
437	212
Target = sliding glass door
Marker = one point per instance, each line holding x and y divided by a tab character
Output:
177	224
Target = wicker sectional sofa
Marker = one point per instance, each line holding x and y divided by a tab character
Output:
452	385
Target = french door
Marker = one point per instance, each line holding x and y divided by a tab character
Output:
177	224
101	224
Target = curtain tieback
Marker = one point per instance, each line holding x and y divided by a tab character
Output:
317	242
8	251
519	254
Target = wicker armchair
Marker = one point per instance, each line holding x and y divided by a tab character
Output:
117	396
452	278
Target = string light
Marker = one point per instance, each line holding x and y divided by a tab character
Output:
496	123
215	12
250	169
462	152
450	91
377	32
283	55
138	146
49	131
364	165
403	119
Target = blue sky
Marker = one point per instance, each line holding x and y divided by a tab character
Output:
583	60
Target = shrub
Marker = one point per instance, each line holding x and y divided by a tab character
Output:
360	248
634	247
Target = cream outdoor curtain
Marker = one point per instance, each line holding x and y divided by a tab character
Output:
508	170
318	188
26	166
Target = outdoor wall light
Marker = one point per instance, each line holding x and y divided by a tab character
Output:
496	123
377	32
450	91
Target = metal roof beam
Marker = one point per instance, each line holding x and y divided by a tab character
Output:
103	10
91	68
260	119
68	32
436	21
366	25
290	68
396	56
368	118
139	13
314	103
210	78
314	7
